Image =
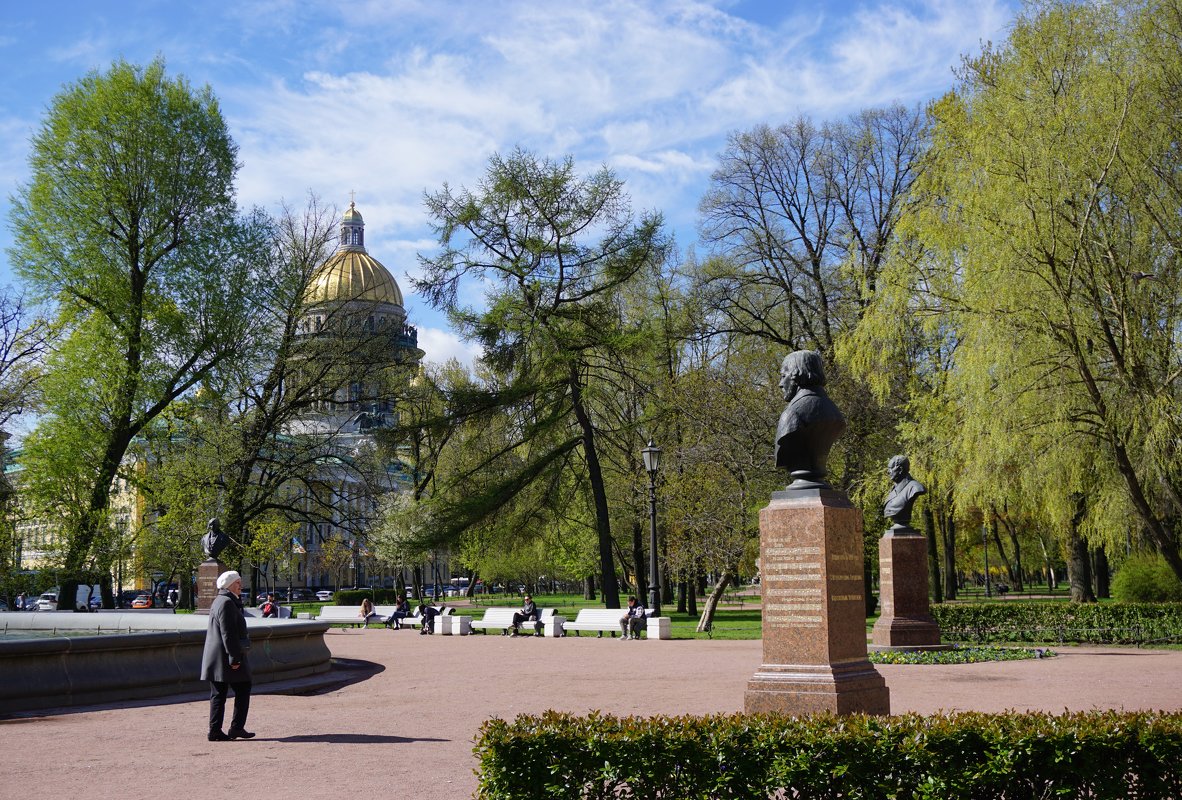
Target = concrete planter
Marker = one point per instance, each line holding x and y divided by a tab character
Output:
162	656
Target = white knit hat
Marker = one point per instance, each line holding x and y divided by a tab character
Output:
226	578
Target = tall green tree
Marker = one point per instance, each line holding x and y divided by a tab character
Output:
254	444
1049	230
128	226
552	248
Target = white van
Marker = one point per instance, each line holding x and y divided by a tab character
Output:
82	600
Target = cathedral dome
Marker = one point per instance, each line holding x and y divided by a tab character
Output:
351	273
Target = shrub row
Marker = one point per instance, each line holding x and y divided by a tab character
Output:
966	755
1081	623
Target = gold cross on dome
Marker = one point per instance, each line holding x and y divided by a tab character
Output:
352	197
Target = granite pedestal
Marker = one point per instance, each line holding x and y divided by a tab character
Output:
207	583
814	613
906	619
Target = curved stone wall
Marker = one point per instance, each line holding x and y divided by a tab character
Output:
160	656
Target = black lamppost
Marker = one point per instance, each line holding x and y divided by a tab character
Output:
985	544
652	462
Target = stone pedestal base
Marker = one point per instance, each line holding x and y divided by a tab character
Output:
814	619
854	688
207	583
906	619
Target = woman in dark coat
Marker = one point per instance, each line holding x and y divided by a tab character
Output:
223	663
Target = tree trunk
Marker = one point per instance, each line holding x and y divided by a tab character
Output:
589	587
1079	563
416	580
681	597
707	620
607	563
1020	579
948	529
1001	552
691	596
935	586
638	558
1048	566
1100	572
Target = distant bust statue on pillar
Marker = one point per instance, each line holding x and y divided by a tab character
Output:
810	423
215	540
903	494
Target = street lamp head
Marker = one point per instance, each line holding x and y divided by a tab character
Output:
652	459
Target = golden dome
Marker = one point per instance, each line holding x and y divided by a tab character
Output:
353	274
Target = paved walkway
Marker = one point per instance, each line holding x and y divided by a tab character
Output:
406	731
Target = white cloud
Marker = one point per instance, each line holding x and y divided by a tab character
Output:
440	346
392	98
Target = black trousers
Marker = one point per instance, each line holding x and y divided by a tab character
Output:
520	617
218	690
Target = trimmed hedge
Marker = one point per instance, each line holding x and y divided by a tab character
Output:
959	655
967	755
1080	623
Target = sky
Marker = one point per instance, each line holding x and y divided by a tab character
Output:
389	99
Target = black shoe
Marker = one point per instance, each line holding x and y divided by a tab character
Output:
239	733
218	736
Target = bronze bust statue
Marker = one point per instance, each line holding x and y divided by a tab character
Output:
810	423
215	540
903	494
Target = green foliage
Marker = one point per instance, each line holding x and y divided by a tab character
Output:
1146	579
1081	623
969	755
128	226
958	655
1036	278
554	251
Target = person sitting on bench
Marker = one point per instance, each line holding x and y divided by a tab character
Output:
528	612
634	620
401	612
428	613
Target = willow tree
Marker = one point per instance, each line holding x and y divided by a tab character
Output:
128	226
1050	231
552	249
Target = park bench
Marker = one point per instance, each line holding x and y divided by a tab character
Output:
501	618
608	619
284	612
349	615
445	612
344	615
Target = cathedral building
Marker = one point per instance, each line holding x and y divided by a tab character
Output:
353	297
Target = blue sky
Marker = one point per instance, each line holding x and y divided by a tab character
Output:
389	98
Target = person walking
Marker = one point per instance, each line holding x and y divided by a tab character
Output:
224	663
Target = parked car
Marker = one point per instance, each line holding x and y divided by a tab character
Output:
302	596
142	601
47	602
324	595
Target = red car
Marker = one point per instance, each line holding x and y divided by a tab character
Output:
142	601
